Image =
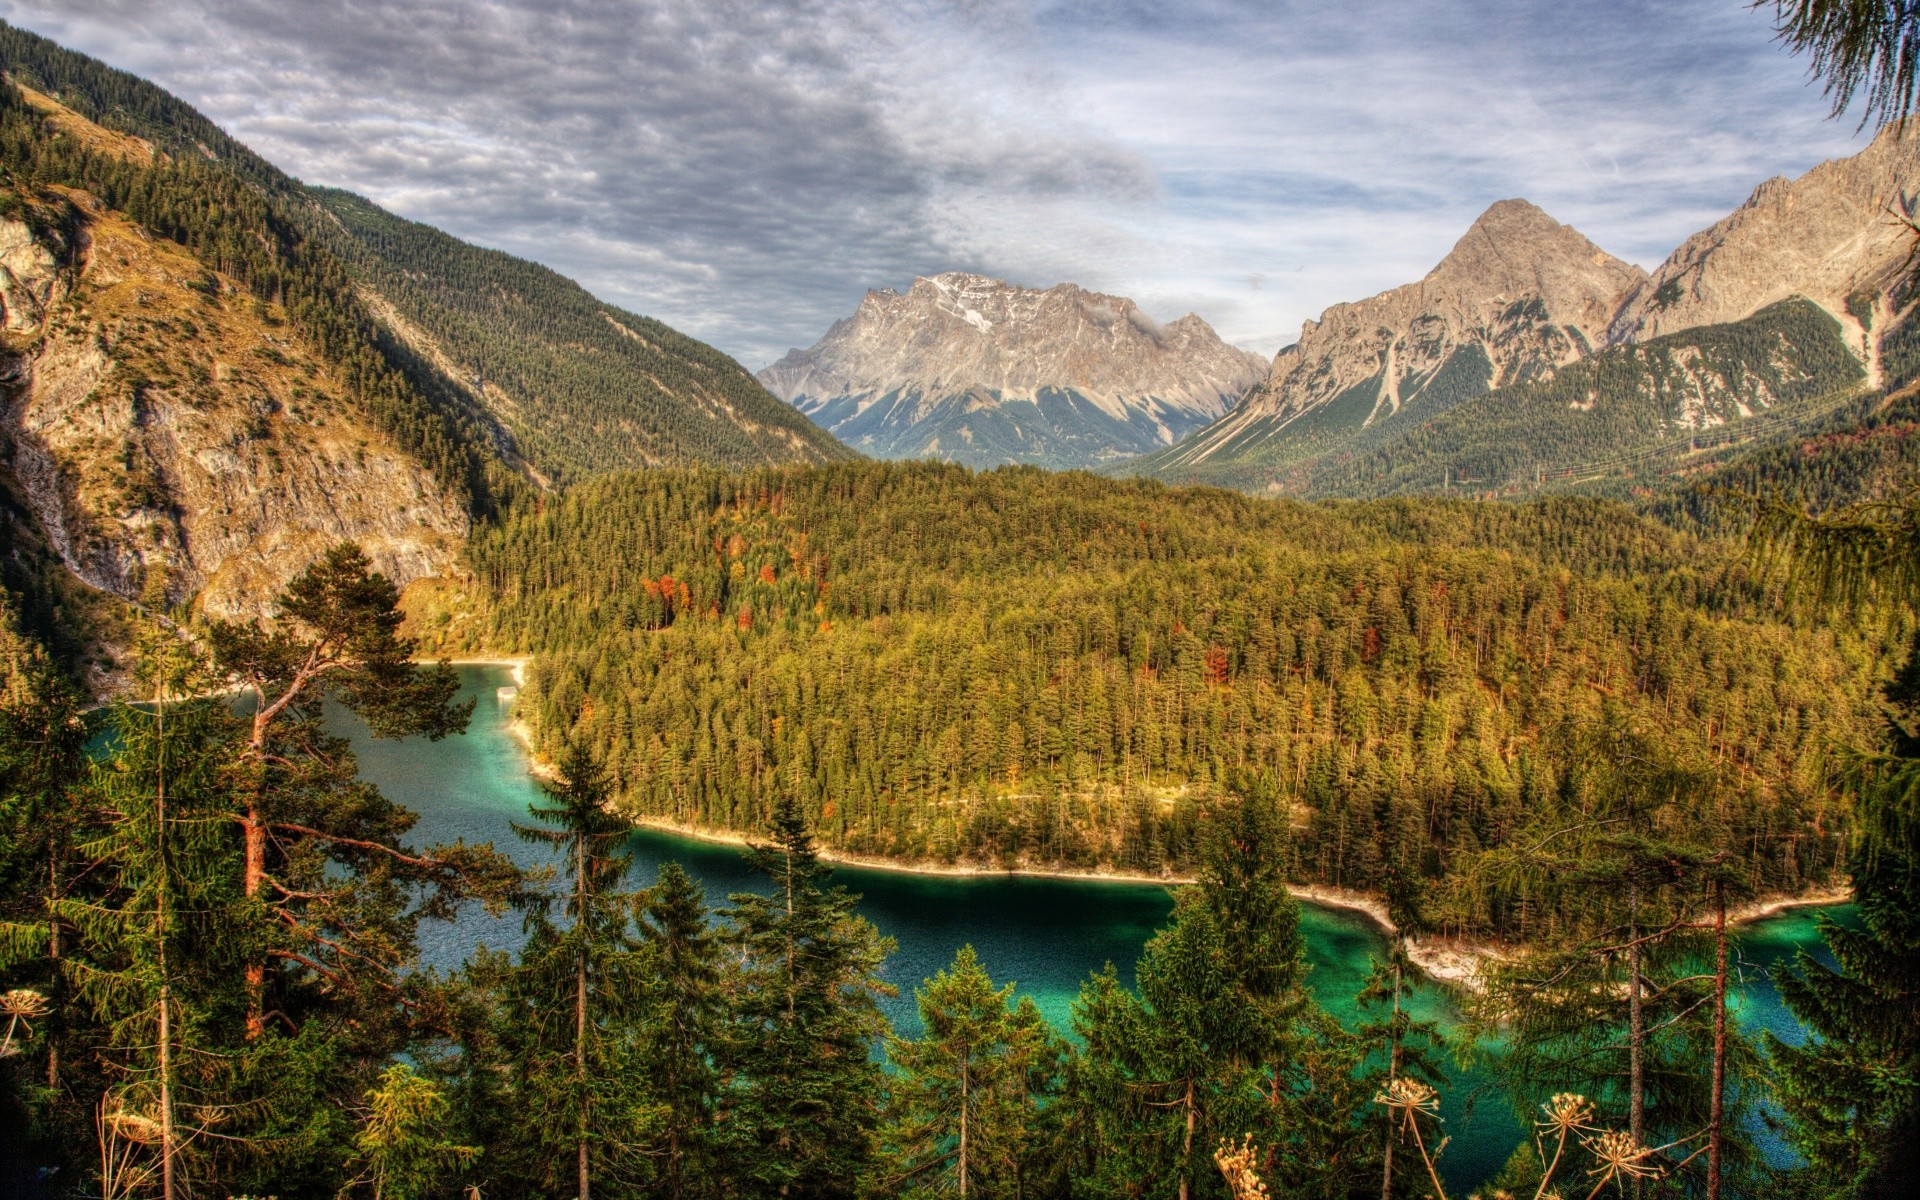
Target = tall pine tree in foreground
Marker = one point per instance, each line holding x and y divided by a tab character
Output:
1852	1092
337	891
685	1019
804	1096
967	1107
575	1010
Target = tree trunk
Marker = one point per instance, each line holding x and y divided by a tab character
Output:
1186	1150
1716	1120
1393	1070
580	1007
1636	1030
167	1191
964	1100
53	953
254	839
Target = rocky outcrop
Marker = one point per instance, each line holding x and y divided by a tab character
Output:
1838	235
1518	296
978	371
156	416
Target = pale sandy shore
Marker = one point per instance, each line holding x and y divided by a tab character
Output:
519	665
1449	961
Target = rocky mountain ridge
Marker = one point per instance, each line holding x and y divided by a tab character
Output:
1841	235
1517	297
158	418
210	372
1520	297
979	371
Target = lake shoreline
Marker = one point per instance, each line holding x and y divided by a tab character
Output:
1452	962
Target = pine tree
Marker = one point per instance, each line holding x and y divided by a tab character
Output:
1853	1090
803	1103
576	994
965	1112
401	1148
683	1026
337	893
161	940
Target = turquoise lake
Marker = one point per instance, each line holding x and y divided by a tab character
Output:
1046	935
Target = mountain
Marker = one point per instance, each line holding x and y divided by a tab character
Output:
976	371
1610	415
1838	236
577	385
1517	297
209	371
1751	331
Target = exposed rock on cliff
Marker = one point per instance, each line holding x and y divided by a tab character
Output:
157	416
977	371
1837	235
1519	296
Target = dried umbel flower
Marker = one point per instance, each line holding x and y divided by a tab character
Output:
132	1125
1619	1157
1567	1113
16	1006
1236	1163
1406	1096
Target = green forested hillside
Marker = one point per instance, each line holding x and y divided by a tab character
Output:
1063	669
582	386
572	385
234	227
1608	407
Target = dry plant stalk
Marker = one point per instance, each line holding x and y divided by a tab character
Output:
1236	1163
19	1006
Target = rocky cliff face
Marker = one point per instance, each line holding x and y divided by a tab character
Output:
156	416
1838	236
978	371
1519	296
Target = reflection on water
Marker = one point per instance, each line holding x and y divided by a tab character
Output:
1045	934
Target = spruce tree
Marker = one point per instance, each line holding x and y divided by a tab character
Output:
575	997
684	1021
805	1090
162	935
966	1109
1852	1092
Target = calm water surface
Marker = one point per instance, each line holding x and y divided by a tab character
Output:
1045	934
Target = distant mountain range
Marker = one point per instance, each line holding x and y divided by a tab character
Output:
980	372
1529	358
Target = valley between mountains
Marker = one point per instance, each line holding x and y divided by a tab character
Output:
216	372
1556	612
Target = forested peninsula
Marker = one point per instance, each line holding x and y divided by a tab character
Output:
1015	668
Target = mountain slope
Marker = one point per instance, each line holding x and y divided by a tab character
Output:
1836	236
1838	240
1606	409
580	386
1517	297
159	417
200	376
976	371
571	386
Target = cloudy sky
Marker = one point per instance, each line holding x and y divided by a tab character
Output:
744	171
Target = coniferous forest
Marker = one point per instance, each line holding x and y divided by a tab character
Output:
1577	738
1061	670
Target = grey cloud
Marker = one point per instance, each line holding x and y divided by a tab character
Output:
741	170
747	170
